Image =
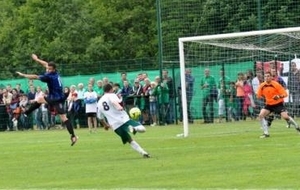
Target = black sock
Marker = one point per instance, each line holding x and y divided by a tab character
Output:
69	128
32	107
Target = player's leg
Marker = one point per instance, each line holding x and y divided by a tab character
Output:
135	127
40	100
263	113
122	131
63	117
270	118
284	115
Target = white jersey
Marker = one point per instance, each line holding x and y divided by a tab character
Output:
90	107
107	109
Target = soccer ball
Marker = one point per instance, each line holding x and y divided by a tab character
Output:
135	113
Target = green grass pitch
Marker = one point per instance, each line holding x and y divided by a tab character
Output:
219	156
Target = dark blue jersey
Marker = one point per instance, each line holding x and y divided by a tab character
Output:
54	84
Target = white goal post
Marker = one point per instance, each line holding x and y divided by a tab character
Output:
239	41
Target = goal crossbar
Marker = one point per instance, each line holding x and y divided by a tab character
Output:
238	34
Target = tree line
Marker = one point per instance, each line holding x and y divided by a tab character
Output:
85	32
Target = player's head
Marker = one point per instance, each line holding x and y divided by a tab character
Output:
268	76
51	67
108	88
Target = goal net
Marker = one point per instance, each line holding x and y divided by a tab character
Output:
228	58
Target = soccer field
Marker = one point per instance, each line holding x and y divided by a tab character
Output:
226	156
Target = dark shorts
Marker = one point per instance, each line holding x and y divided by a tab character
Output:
123	131
277	108
91	114
57	104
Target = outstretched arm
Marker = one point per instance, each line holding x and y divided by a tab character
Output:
42	62
29	76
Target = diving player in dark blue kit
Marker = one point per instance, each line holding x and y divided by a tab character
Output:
56	95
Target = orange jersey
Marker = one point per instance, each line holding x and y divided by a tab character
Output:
269	90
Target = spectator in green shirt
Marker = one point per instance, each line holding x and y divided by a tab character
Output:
209	93
223	95
123	78
161	92
99	89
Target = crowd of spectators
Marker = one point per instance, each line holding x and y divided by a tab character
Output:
156	98
150	96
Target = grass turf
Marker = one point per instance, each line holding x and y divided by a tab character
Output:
226	155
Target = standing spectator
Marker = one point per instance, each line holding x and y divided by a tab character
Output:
189	82
223	95
169	81
126	93
153	104
14	110
240	94
18	88
38	112
31	94
90	100
70	97
123	79
294	89
248	104
9	88
137	92
232	102
145	100
24	123
1	96
117	90
31	97
208	86
256	81
105	81
162	94
99	89
7	97
80	91
72	91
92	82
278	78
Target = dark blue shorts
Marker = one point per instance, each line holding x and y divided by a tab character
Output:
57	104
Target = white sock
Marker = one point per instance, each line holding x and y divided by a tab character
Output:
137	147
140	129
264	126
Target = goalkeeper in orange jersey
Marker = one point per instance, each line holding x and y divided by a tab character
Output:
274	94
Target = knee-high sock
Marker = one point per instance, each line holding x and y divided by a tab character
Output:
32	107
293	122
264	126
69	128
137	147
140	129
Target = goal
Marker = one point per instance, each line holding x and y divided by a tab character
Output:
233	53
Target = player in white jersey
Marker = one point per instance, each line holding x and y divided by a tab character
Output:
109	107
